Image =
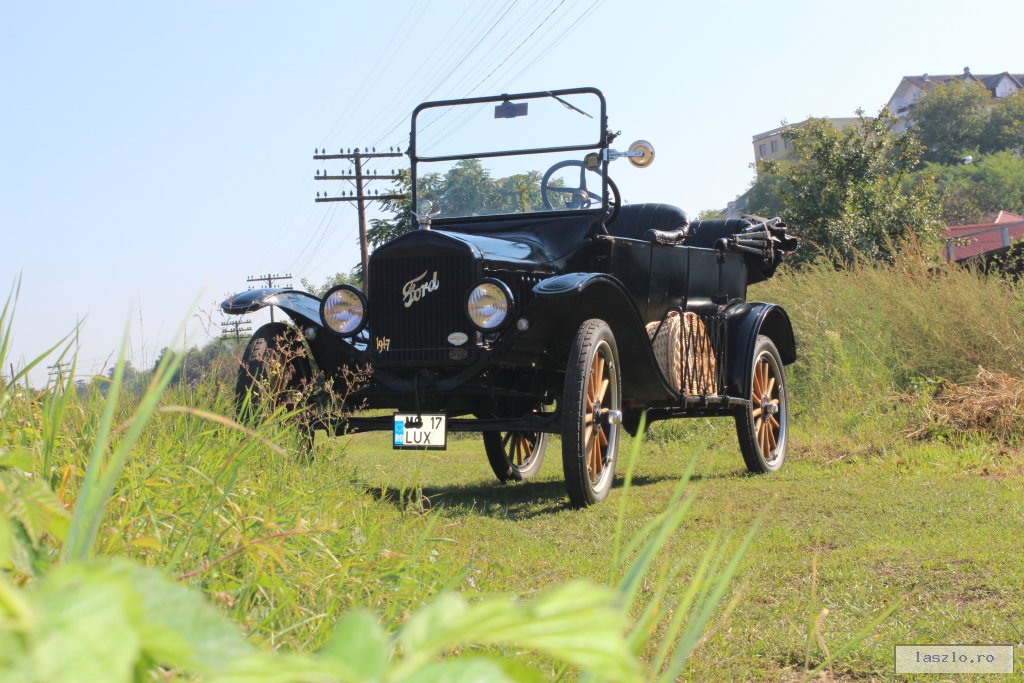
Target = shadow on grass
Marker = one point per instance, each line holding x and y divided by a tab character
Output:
517	501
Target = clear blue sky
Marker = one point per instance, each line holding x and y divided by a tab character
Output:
152	155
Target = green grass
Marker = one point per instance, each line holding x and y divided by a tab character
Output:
862	519
922	529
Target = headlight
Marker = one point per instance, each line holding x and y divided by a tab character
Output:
343	310
489	304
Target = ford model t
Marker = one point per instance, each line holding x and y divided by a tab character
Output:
533	300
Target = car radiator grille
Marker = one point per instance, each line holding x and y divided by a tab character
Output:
418	333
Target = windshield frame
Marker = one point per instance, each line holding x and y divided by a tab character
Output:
599	144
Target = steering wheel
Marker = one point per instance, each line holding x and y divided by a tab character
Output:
578	197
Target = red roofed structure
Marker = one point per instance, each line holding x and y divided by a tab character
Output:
983	240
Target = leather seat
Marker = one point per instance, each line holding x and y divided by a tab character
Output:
636	220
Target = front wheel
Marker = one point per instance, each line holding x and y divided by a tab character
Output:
274	372
763	427
515	456
591	414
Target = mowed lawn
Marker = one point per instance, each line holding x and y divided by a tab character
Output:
935	528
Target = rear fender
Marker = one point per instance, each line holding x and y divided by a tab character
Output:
745	322
560	304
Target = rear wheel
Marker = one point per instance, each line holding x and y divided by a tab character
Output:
763	427
591	414
515	456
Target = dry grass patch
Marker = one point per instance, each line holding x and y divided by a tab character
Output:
991	404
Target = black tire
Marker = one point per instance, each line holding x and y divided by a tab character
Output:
763	427
515	456
273	372
593	389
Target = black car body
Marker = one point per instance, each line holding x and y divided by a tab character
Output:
609	311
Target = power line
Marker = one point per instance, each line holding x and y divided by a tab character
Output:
509	56
455	124
57	372
357	96
509	4
440	47
559	38
235	328
431	80
361	196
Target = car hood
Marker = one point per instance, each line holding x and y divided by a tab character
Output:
541	245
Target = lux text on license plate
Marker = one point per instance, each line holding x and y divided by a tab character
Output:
422	432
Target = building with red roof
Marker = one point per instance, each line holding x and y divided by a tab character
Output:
984	240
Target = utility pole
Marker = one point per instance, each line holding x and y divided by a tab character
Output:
58	371
235	328
360	197
269	279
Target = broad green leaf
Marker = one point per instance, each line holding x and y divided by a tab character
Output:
6	540
14	664
266	667
577	623
150	542
18	458
360	644
471	669
176	624
39	510
23	557
84	632
433	628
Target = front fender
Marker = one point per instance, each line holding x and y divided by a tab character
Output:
745	322
560	304
302	307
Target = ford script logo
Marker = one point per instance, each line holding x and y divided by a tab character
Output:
458	338
414	290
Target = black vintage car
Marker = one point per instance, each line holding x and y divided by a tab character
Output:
533	301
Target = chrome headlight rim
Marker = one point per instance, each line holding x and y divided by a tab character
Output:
362	300
509	304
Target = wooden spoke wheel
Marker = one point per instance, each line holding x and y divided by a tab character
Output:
515	456
763	427
591	414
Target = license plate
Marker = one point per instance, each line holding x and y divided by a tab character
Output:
428	431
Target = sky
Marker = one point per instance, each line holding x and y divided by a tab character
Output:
155	155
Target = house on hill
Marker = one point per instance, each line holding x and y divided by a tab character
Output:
773	145
984	241
912	88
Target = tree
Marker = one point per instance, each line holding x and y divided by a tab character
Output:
353	277
466	189
843	191
1005	128
951	119
992	183
764	197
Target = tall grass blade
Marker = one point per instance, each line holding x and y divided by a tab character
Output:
102	473
706	608
627	484
853	642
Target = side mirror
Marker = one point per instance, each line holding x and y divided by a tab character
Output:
641	153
